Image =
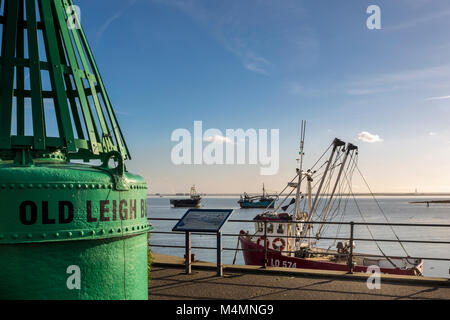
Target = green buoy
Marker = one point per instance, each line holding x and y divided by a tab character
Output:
68	229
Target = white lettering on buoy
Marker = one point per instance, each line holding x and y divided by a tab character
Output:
74	281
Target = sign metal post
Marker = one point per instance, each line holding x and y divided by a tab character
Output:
203	221
219	255
188	258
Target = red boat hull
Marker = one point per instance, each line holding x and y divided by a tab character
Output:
254	255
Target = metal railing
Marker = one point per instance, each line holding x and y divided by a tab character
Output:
350	255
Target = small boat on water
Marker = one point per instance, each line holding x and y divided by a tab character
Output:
260	201
290	239
194	200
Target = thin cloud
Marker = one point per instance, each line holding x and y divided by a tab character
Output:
360	92
369	137
219	139
430	77
423	19
250	60
412	75
123	113
255	68
437	98
113	18
236	26
106	25
297	89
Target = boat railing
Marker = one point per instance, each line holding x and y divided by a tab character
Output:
351	238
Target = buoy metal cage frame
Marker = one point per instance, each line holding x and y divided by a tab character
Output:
47	69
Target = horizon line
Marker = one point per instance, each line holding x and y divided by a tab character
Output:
285	194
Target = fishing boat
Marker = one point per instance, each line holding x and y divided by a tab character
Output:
194	200
290	239
259	201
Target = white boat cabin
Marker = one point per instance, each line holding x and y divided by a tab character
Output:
278	232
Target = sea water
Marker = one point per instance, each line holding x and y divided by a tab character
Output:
359	209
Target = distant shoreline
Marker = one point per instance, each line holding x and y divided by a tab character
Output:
387	194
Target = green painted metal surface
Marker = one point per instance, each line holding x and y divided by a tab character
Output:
39	271
67	230
56	215
52	202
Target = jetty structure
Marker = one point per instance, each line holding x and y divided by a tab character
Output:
68	229
428	202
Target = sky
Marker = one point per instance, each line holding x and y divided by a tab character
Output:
267	64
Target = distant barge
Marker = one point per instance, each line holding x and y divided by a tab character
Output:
194	201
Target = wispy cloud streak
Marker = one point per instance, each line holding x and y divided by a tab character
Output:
437	98
113	18
425	78
260	33
422	19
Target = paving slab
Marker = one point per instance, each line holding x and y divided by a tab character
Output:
169	282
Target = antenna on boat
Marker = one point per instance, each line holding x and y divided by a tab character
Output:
302	145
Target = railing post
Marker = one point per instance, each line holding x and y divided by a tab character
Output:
350	256
219	255
265	243
188	258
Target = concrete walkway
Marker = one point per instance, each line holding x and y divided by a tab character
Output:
253	283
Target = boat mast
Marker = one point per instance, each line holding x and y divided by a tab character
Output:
302	144
309	181
336	144
350	147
